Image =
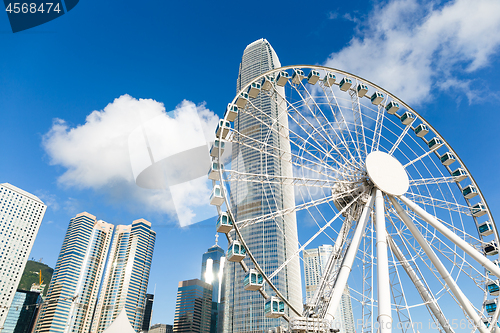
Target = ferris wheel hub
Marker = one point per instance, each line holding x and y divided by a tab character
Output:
387	173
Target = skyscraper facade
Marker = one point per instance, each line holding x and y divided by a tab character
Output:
315	261
193	307
73	289
127	275
148	311
22	312
21	214
273	241
212	268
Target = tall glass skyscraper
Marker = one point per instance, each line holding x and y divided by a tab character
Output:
212	268
127	275
21	214
192	308
72	293
22	312
271	241
315	261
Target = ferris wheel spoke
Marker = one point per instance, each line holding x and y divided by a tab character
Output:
294	110
320	123
245	223
424	292
432	181
455	289
235	176
377	132
439	203
320	231
282	154
258	145
423	155
358	125
400	138
466	247
342	120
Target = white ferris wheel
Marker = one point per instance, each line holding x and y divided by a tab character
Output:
413	238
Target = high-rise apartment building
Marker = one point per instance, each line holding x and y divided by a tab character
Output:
212	268
315	261
127	275
21	214
22	312
271	242
73	289
193	307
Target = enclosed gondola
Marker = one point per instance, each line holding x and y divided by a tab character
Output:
274	307
216	197
345	84
236	252
392	107
253	280
421	130
313	77
329	79
224	223
377	98
298	76
254	89
231	112
214	151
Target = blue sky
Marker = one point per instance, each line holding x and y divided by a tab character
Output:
441	57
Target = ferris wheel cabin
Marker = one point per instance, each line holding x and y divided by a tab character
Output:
224	127
224	223
329	79
491	305
231	112
214	151
362	89
267	83
485	228
213	172
313	77
242	100
421	130
459	174
392	107
493	288
478	210
377	98
435	143
236	252
254	89
282	78
490	248
345	84
470	192
447	158
253	280
216	197
274	307
407	118
297	76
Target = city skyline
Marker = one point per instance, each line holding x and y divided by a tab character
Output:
61	93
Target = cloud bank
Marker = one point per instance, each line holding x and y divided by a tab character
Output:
96	155
411	47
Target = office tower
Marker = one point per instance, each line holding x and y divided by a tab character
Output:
148	311
315	261
127	275
212	268
22	312
73	289
161	328
272	242
193	307
21	214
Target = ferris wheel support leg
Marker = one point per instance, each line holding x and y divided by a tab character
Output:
426	295
383	281
349	257
466	247
445	275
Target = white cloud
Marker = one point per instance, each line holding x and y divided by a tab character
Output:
410	48
96	154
